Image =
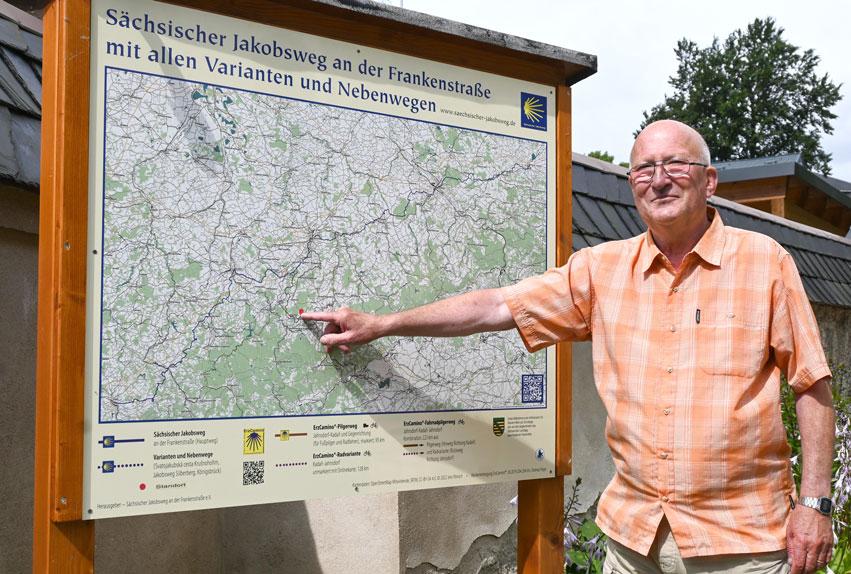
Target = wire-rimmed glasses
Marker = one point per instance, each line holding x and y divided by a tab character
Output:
644	172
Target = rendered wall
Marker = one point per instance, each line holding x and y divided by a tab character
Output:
353	535
18	264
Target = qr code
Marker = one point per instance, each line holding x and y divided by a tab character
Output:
252	472
532	388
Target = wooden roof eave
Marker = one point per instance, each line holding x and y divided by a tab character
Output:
406	32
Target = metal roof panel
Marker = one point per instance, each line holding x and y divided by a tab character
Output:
757	168
788	158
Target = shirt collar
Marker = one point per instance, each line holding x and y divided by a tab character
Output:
709	248
711	245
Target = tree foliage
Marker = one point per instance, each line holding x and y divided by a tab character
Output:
602	155
607	157
753	95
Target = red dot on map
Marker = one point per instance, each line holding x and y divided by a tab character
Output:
142	486
300	311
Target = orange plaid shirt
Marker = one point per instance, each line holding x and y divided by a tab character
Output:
687	364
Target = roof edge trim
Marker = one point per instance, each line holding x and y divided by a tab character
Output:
23	19
800	227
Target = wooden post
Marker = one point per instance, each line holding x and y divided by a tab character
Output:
62	542
540	503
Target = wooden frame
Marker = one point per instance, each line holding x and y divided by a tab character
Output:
540	503
62	542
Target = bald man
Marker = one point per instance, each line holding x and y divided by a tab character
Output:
692	324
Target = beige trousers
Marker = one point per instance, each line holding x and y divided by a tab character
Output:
665	558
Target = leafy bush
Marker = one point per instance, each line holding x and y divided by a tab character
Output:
584	542
841	561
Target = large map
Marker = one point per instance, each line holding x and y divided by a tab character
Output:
227	211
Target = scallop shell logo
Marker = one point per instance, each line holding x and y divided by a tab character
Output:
253	441
533	111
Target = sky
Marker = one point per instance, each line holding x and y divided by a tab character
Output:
634	42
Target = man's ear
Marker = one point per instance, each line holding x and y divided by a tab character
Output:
711	181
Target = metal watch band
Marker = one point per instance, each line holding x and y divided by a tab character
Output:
822	503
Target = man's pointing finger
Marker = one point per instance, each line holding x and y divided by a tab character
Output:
319	316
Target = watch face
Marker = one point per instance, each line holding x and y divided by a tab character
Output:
825	505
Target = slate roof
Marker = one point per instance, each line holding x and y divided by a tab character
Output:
603	210
20	96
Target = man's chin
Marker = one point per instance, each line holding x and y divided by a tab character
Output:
663	215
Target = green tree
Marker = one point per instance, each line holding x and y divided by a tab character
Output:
606	156
753	95
602	155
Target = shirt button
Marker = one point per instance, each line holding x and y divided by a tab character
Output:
673	328
670	369
675	289
667	411
665	499
663	455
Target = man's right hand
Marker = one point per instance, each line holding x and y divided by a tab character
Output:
458	316
346	328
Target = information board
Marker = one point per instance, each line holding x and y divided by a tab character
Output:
242	173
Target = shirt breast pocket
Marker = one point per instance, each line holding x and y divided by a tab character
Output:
731	343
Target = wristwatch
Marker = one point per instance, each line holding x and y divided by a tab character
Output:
823	504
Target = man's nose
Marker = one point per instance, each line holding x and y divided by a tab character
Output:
660	177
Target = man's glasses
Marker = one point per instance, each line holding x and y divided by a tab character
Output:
644	172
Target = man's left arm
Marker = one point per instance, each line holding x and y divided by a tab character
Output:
809	538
